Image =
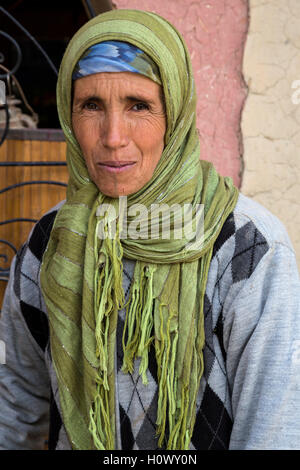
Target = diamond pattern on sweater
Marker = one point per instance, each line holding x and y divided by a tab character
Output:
250	246
213	424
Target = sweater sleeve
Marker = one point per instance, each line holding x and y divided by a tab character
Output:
262	342
24	381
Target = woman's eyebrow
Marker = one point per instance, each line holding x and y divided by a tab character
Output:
138	97
82	99
132	98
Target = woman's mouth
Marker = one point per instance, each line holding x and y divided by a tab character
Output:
115	166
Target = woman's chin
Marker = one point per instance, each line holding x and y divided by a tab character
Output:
116	191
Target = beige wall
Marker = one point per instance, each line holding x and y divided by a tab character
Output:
271	115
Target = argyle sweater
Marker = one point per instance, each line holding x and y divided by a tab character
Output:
249	395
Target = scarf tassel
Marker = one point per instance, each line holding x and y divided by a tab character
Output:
139	322
109	298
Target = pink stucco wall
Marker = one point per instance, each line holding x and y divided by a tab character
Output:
215	32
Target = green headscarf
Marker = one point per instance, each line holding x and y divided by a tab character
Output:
82	275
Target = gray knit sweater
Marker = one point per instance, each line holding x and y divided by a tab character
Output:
249	395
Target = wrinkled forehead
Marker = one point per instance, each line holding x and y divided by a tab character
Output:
118	87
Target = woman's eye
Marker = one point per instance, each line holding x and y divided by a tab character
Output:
140	107
90	106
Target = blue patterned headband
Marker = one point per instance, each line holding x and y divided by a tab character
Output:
115	56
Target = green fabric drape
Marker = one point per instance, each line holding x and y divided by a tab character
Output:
81	274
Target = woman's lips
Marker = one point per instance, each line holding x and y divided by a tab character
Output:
115	167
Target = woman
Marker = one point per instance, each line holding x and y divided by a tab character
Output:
127	357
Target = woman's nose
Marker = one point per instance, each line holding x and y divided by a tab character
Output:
115	131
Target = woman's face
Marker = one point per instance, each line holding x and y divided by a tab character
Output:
119	121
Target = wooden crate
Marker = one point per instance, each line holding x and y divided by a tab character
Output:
28	201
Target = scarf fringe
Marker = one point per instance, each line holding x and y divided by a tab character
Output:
169	404
176	399
109	298
139	322
99	421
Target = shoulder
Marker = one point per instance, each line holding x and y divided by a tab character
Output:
252	245
249	233
25	280
39	235
252	214
28	259
30	255
253	274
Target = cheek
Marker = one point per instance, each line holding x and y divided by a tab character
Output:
155	145
85	136
85	133
152	140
